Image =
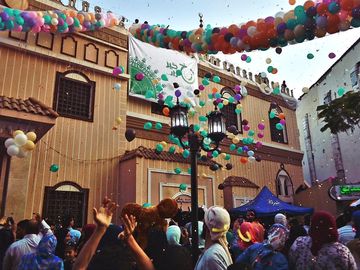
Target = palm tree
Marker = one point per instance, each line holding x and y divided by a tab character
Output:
341	114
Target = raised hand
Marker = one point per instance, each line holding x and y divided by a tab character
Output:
129	226
103	216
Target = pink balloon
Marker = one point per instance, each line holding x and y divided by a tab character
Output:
261	126
36	29
246	128
259	144
260	135
69	20
283	122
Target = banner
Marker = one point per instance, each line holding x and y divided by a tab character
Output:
154	70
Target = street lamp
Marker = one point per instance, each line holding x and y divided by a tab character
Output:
216	133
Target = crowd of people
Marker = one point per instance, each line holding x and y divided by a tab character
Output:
312	242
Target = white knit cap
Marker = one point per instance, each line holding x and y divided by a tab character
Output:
173	235
280	219
217	219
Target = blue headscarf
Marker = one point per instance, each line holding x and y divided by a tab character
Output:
44	257
356	221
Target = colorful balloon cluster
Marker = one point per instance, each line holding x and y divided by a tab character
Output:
21	144
54	21
304	22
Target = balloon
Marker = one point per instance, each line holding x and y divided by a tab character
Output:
148	126
166	111
281	116
229	166
243	160
279	126
172	149
261	126
183	187
20	139
146	205
186	153
341	91
232	147
22	153
177	170
305	90
332	55
9	142
216	79
54	168
310	56
16	132
13	150
31	136
118	120
130	135
158	126
139	76
159	147
214	167
117	86
29	146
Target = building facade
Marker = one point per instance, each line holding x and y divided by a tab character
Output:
62	87
329	155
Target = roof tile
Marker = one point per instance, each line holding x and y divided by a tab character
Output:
30	105
238	181
149	153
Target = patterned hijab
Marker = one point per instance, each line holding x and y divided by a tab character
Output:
323	230
44	257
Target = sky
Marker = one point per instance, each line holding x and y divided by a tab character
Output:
292	63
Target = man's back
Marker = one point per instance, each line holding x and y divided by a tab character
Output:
14	253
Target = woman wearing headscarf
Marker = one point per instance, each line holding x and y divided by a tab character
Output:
266	255
216	255
354	245
321	249
44	257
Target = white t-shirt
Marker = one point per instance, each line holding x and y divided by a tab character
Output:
214	258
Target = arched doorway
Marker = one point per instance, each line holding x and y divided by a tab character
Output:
64	199
183	200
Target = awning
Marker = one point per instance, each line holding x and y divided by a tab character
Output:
267	204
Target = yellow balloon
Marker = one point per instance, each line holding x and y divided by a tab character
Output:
236	140
163	143
118	120
29	145
226	102
239	106
31	136
223	155
16	132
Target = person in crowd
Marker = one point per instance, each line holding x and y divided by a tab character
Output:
307	221
354	245
63	237
200	228
296	230
281	219
216	255
321	249
251	217
173	235
249	234
266	255
7	236
69	223
346	233
87	231
27	244
44	257
70	255
234	245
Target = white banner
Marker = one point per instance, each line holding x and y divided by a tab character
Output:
160	68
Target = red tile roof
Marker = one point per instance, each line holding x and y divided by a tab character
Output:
238	181
149	153
30	105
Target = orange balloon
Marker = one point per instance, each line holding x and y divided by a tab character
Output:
281	116
166	111
81	18
274	71
322	9
346	5
214	90
308	4
243	160
292	2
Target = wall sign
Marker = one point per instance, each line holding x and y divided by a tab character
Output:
344	192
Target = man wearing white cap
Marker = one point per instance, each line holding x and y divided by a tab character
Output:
216	255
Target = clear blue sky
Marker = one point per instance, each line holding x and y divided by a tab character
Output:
293	65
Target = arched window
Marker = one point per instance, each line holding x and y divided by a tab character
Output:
231	118
66	199
279	136
74	95
284	186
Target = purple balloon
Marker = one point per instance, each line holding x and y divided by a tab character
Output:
218	100
356	13
243	57
245	148
201	87
283	122
311	11
4	16
281	28
259	144
60	22
177	93
237	97
269	20
321	22
242	34
261	126
237	88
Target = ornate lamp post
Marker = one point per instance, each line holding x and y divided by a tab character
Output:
216	133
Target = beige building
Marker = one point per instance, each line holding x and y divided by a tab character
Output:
61	87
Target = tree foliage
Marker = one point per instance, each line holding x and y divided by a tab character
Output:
341	114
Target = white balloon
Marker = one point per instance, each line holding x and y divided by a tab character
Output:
9	142
305	90
251	159
13	150
251	31
22	153
20	139
117	86
280	14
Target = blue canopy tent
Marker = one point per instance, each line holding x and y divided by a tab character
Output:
267	204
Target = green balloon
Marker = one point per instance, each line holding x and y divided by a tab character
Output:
237	111
54	168
148	125
178	73
149	94
220	105
172	149
196	128
202	103
177	170
202	118
279	126
227	157
164	77
232	147
76	22
231	99
276	91
272	114
186	153
189	171
216	79
310	56
205	82
248	59
158	126
341	91
159	147
183	187
270	69
215	153
146	205
20	20
240	150
251	133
